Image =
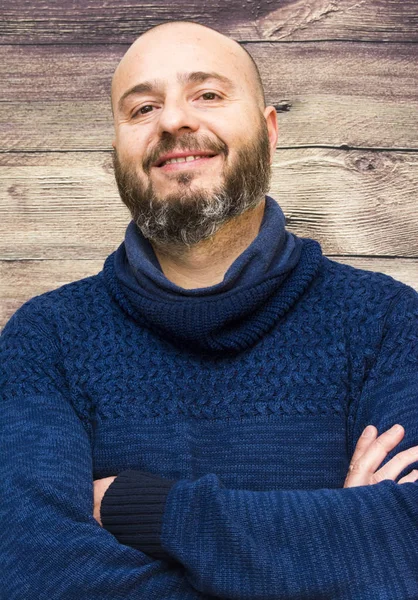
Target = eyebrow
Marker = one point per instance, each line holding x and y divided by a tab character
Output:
153	85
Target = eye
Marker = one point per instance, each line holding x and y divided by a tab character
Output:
143	110
212	96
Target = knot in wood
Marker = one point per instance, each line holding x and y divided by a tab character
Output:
365	163
283	106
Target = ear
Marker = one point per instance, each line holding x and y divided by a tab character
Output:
272	127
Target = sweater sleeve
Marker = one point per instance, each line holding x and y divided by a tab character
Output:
356	543
51	547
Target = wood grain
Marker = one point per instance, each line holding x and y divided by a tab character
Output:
342	74
356	202
90	22
332	94
22	280
66	205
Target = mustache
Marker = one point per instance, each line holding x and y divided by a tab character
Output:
187	142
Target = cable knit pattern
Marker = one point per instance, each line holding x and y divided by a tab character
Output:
255	428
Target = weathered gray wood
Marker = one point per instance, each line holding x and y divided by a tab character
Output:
66	205
87	21
355	202
21	280
59	206
62	209
362	95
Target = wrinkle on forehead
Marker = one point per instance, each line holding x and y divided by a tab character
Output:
186	32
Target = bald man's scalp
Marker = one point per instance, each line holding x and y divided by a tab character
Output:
258	84
253	68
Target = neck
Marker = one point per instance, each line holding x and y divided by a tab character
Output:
206	263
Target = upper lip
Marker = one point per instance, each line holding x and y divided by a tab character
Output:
165	157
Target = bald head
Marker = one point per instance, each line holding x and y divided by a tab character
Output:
175	33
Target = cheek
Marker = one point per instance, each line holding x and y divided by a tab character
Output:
132	144
235	133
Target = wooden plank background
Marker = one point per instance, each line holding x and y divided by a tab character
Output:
343	76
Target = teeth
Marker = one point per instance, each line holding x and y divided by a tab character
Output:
182	159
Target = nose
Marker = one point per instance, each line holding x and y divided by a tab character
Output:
177	116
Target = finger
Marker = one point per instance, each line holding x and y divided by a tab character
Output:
396	465
410	478
361	470
363	443
365	440
380	448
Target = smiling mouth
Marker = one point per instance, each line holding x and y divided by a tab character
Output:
185	162
180	159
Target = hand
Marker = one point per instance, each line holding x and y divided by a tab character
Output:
371	450
99	489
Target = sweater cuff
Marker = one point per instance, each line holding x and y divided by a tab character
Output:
132	510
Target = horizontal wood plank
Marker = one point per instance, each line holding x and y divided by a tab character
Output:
354	202
22	280
89	21
66	205
59	206
333	94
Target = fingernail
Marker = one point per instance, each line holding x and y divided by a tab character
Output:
397	428
368	432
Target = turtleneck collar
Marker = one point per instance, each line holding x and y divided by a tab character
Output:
228	316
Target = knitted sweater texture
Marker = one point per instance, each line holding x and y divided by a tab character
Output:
230	415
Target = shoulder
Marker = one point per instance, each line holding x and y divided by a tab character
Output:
365	302
42	312
359	283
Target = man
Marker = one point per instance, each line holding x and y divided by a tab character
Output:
214	380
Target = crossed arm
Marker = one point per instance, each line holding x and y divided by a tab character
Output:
324	543
370	452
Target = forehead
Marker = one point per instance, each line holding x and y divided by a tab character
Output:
164	57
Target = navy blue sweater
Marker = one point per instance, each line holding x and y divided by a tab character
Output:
242	403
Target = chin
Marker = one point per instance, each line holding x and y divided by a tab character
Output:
186	189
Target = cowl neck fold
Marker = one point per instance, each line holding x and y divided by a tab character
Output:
230	316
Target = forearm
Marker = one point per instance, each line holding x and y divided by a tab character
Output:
293	544
51	546
276	544
325	543
227	538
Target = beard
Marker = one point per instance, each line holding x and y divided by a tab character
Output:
189	216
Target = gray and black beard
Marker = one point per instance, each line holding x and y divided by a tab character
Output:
191	216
